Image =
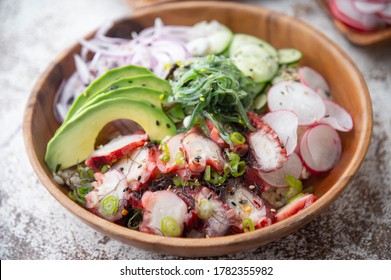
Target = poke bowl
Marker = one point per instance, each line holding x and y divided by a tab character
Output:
42	129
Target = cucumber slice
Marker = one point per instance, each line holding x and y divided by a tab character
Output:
255	62
240	40
288	56
260	101
217	36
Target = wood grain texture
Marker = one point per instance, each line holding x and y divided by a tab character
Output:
282	31
359	38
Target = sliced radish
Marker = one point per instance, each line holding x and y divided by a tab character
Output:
292	167
285	124
314	80
267	149
386	13
302	100
164	213
320	148
369	7
115	149
346	12
337	117
295	206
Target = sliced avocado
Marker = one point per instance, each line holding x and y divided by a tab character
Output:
103	81
155	97
148	81
76	139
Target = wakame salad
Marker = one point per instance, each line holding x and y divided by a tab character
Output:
225	130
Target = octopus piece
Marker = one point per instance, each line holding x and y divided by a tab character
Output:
109	196
115	149
201	151
216	216
164	213
172	157
267	149
251	210
138	167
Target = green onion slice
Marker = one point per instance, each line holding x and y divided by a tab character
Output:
204	209
237	138
170	226
248	225
109	205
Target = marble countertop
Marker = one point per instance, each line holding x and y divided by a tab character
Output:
33	225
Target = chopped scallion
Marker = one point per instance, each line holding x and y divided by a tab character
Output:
170	227
109	205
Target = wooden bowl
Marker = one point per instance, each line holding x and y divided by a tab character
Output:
347	84
356	37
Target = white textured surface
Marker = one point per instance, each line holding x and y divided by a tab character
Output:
35	226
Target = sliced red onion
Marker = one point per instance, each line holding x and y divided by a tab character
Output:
82	69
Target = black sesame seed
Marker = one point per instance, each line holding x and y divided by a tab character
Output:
168	125
243	201
157	123
233	203
232	193
143	85
139	178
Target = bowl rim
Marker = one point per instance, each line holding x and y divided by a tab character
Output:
242	241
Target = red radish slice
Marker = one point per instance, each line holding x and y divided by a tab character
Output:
337	117
320	148
267	149
115	149
386	13
348	14
302	100
285	124
295	206
292	167
368	7
314	80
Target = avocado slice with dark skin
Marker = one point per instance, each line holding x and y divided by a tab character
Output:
147	81
76	139
155	97
105	80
